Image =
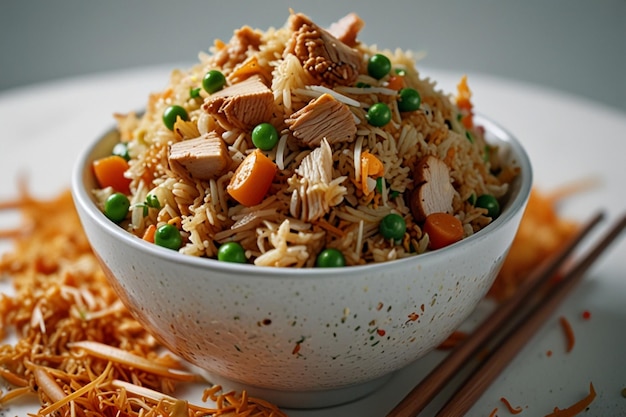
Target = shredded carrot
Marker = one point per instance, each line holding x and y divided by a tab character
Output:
576	408
569	333
330	228
512	410
494	412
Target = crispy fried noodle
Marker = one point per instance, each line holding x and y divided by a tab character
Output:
78	349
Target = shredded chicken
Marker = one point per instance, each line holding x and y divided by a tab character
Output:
314	189
323	118
323	56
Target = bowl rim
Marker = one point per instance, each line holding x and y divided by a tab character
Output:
83	199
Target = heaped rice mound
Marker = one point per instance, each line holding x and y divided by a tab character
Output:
296	140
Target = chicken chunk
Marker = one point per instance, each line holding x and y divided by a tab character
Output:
202	158
324	57
347	28
235	51
242	105
434	192
323	117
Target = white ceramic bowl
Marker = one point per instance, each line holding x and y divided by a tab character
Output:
301	337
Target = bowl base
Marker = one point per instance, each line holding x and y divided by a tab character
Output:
301	399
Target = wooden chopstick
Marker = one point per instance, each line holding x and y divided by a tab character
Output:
422	394
515	339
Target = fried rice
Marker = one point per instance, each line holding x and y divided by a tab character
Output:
320	196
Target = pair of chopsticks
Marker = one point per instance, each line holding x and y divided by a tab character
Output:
532	292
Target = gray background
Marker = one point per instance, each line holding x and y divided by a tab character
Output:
574	46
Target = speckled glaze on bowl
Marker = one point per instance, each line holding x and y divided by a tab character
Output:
301	337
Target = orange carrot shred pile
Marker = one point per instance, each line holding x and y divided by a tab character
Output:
576	408
569	333
512	410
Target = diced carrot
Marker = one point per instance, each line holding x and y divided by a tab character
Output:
252	179
395	82
443	229
109	172
148	235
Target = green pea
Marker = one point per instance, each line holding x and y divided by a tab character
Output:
392	226
231	252
264	136
379	184
168	236
153	201
121	149
378	114
194	92
409	99
489	202
330	258
487	153
172	113
378	66
213	81
116	207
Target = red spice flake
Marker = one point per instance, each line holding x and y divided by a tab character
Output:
586	315
422	307
494	412
414	316
296	348
569	333
549	353
576	408
454	339
512	410
379	306
380	332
